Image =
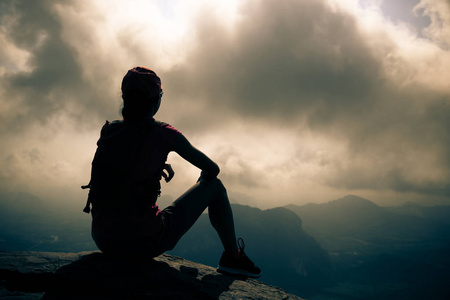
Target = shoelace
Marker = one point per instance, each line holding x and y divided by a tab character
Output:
243	256
241	245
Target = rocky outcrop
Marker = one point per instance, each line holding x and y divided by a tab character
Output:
92	275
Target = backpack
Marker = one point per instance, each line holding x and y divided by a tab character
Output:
113	185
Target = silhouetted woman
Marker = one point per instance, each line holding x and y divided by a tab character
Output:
125	182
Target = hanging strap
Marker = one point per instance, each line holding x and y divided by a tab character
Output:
87	208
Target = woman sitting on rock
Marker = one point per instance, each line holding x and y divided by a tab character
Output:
125	182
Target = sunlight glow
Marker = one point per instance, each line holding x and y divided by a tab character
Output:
405	56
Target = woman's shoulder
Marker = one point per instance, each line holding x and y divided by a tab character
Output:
166	127
163	128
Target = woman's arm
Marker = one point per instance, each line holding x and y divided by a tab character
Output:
209	168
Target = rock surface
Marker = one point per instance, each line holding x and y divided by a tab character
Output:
92	275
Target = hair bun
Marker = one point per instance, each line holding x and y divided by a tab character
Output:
142	79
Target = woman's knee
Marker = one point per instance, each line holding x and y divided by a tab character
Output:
215	184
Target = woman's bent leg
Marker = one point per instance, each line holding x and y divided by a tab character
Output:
185	211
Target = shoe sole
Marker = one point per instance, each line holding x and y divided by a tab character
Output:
232	271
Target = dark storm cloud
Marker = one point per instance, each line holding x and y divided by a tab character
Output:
53	81
37	30
284	57
299	60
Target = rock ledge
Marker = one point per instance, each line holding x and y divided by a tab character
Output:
92	275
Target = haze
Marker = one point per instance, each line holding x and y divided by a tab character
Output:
297	101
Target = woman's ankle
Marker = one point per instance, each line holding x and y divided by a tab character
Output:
233	253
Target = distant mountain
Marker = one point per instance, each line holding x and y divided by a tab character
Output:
29	224
354	224
381	253
345	212
274	240
441	213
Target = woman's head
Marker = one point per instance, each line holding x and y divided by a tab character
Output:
141	93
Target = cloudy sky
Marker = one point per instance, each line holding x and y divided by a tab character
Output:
296	100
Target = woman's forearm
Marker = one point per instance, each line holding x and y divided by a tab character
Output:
184	148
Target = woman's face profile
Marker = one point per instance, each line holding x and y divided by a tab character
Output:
156	107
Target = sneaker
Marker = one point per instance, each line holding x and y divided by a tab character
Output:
238	266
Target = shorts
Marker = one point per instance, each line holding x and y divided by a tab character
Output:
172	227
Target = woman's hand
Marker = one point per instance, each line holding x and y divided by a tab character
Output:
170	173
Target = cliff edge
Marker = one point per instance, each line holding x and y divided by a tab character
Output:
92	275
